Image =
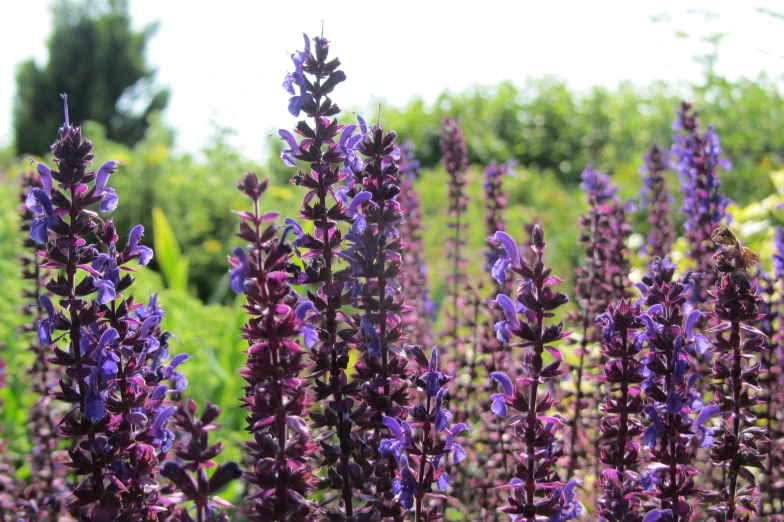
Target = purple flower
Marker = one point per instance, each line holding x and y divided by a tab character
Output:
408	484
655	430
239	273
46	326
499	399
110	200
135	249
402	438
432	376
38	202
287	155
597	185
706	434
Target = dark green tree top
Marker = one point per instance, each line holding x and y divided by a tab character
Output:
98	59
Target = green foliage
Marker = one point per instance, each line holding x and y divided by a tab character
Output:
173	265
547	126
98	60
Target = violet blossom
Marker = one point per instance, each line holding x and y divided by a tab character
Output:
112	378
275	397
738	346
535	493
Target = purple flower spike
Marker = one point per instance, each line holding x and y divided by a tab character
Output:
113	353
239	273
740	444
276	407
533	489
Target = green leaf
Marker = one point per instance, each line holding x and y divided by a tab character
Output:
173	265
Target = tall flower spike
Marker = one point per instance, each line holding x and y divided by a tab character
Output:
675	408
621	426
536	494
376	255
738	346
327	148
489	467
454	157
770	387
275	396
189	472
656	201
44	495
415	282
418	451
116	357
697	159
601	279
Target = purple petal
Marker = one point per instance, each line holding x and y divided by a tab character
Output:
706	414
102	177
46	177
179	359
499	405
289	138
509	245
509	309
106	292
505	382
303	308
47	305
394	426
358	200
110	200
691	322
309	335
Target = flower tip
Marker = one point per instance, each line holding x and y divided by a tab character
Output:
64	96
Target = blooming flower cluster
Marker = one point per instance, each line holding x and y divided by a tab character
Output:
536	494
675	406
656	200
601	279
327	148
47	489
418	322
189	473
697	159
115	358
737	345
275	396
376	258
454	157
623	404
420	458
341	427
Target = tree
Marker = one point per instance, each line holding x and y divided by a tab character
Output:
97	58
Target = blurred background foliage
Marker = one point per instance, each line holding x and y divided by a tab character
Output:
97	58
184	201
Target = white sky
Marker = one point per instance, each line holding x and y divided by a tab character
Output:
224	61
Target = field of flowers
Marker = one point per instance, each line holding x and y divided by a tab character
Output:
632	375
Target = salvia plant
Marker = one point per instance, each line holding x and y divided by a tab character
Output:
656	201
454	158
281	450
420	448
673	405
189	472
47	489
601	279
656	397
696	155
737	345
415	281
116	369
535	491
